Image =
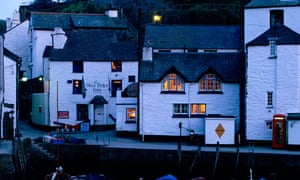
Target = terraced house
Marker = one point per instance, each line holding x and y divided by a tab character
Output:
272	42
190	82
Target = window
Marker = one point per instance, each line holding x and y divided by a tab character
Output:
77	87
116	66
197	109
269	99
77	66
273	47
131	115
115	85
276	17
82	112
131	78
210	82
180	109
172	82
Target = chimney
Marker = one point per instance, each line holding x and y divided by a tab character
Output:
147	51
59	38
112	13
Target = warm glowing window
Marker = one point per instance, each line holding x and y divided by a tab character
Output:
131	114
172	82
116	66
115	85
77	86
198	108
210	82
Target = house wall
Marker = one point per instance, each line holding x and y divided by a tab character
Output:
122	104
257	20
40	39
1	85
280	76
10	87
97	77
17	41
156	109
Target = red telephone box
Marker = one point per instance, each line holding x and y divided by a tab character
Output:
278	131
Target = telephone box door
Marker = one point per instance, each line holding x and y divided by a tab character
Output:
278	131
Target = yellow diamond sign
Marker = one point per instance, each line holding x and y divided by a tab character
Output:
220	130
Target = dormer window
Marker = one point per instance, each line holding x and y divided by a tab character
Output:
172	83
210	83
276	17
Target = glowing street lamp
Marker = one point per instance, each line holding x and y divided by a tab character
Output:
157	19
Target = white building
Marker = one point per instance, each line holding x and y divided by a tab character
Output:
1	84
10	105
272	42
16	40
82	73
191	75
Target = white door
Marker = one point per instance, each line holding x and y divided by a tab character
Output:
99	114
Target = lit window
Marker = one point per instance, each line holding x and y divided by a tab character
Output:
269	99
172	82
198	109
116	66
77	87
210	82
180	109
131	114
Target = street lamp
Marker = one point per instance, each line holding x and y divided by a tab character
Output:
157	19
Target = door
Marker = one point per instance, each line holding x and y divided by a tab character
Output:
82	112
99	114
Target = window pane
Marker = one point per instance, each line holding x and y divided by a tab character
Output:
210	82
77	66
198	108
116	85
172	82
77	89
116	66
131	114
180	109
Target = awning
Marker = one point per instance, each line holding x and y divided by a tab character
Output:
98	100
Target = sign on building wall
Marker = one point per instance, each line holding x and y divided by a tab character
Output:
63	114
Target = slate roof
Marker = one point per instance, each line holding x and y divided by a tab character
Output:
48	21
95	45
191	66
271	3
283	35
194	36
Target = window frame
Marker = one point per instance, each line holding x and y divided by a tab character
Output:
115	87
269	99
210	83
116	66
180	109
199	107
76	90
128	119
172	83
78	66
276	17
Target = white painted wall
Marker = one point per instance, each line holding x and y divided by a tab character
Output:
10	86
17	41
281	76
97	77
156	109
257	21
